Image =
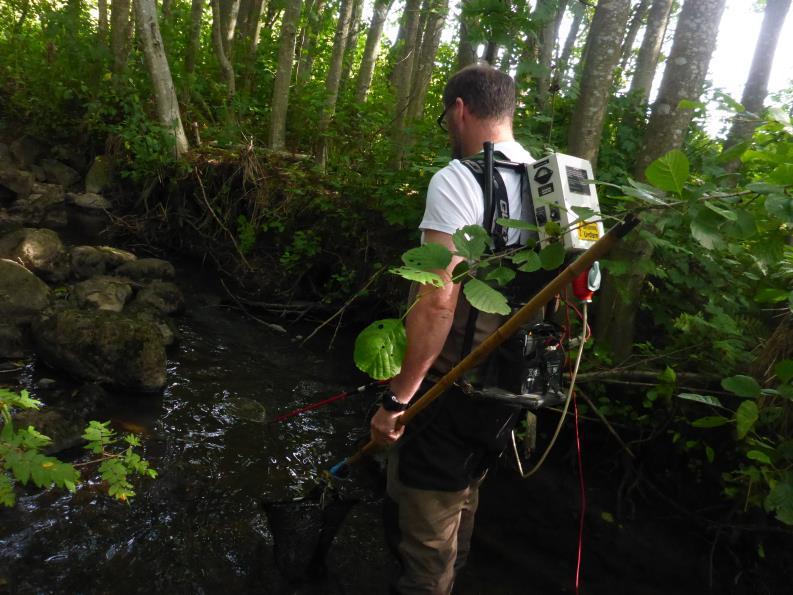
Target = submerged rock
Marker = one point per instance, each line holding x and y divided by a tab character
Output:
26	150
90	261
100	176
39	250
88	201
162	296
17	181
145	269
22	294
103	346
102	293
60	173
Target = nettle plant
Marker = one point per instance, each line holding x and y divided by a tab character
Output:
22	462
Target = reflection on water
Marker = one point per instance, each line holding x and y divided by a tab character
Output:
197	528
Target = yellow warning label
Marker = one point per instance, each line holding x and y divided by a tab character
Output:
589	232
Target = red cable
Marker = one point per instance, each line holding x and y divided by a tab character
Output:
583	497
327	401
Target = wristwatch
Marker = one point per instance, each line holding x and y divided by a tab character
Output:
390	402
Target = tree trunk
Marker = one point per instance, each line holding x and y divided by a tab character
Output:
422	71
194	40
602	55
283	76
332	81
119	34
229	11
160	73
633	29
102	20
402	75
684	77
548	35
167	6
491	53
351	44
366	72
307	53
756	88
250	43
220	49
466	53
650	50
578	11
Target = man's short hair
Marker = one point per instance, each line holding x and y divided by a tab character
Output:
488	93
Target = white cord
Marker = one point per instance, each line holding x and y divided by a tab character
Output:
536	467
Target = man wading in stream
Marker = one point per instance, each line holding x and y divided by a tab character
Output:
435	470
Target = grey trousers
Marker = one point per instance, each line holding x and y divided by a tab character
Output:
430	532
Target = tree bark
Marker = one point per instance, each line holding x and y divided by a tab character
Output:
491	52
307	54
684	77
250	42
167	6
402	75
633	29
220	49
194	39
283	76
756	88
160	73
366	72
101	25
466	53
229	11
602	55
332	81
119	34
548	35
650	50
578	11
422	71
351	44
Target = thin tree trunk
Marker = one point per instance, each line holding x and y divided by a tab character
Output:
229	11
250	43
220	50
684	78
160	73
333	80
491	52
307	53
402	75
422	71
167	6
548	35
351	44
756	88
366	72
194	40
102	26
603	53
283	76
633	29
650	50
578	11
119	34
466	53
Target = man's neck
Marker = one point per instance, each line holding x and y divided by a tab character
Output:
497	134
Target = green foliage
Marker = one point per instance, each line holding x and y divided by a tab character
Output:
21	462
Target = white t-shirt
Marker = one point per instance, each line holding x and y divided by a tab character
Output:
454	197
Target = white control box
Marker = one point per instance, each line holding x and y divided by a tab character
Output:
558	183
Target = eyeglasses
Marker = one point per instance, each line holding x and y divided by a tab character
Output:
442	120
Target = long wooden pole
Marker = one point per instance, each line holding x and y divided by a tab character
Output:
502	333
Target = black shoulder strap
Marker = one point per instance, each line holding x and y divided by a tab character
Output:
500	206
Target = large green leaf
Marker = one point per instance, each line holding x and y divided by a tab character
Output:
669	172
552	256
780	206
380	347
780	499
471	241
777	114
429	257
745	417
705	399
704	229
784	370
743	386
501	275
516	224
710	421
529	261
485	298
418	275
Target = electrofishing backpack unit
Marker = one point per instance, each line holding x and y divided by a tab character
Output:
526	370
